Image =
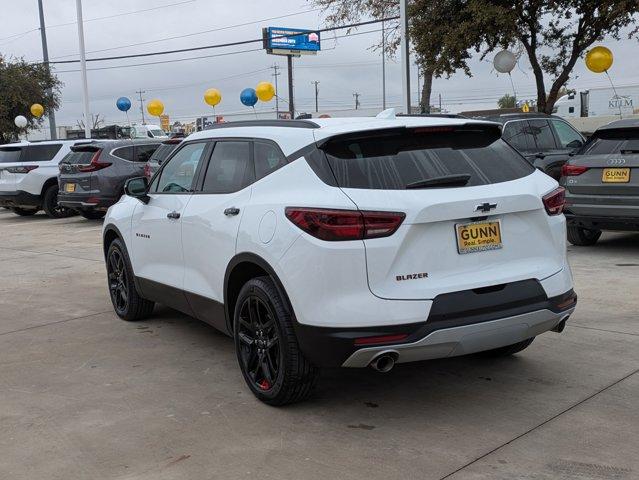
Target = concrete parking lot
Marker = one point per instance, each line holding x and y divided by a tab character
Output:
84	395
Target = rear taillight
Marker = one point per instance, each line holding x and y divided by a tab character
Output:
381	339
554	201
336	225
95	164
568	170
21	169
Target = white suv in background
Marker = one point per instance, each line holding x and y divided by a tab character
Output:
345	242
29	176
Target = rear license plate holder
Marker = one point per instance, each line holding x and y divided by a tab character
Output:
478	236
69	187
615	175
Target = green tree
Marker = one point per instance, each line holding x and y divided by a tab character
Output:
437	54
21	85
554	34
507	101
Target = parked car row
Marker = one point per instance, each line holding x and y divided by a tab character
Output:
73	176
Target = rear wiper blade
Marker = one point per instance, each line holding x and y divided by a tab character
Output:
629	152
443	181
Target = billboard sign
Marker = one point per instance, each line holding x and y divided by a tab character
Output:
291	41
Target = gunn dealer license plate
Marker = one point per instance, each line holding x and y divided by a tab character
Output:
478	236
69	187
615	175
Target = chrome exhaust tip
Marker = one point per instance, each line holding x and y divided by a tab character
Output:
561	325
384	362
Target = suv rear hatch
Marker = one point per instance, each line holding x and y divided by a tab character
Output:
607	165
77	167
9	159
473	219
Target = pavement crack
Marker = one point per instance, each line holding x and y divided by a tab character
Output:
602	329
571	407
53	323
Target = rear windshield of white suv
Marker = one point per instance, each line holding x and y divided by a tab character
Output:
10	154
427	157
605	142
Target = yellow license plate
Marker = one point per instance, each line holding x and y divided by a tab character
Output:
615	175
69	187
478	236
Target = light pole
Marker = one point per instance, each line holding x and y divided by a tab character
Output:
83	68
404	44
316	83
45	57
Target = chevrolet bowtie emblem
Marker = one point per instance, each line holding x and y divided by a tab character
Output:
485	207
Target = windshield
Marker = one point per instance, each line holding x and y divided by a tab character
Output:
163	152
408	158
10	154
605	142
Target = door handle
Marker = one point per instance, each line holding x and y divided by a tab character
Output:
173	215
229	212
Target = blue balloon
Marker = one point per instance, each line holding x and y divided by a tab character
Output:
248	97
123	104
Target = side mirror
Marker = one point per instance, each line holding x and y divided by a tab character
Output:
137	188
575	144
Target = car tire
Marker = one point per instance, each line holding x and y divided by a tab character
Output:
583	237
508	349
24	212
92	214
268	353
127	302
50	204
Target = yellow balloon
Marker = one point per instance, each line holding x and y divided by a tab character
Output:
37	110
599	59
155	107
265	91
212	96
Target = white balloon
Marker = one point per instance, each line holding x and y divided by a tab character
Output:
20	121
505	61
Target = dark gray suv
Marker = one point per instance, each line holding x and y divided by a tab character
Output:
602	183
92	176
546	141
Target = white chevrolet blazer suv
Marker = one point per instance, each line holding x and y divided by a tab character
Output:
345	242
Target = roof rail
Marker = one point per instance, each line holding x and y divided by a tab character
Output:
266	123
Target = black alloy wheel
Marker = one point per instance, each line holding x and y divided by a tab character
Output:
118	281
272	364
259	343
51	207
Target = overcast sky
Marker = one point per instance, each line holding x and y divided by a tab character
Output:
344	66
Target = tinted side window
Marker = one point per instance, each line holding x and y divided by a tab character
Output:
125	153
267	158
144	152
41	153
10	154
518	135
229	169
540	129
178	174
568	137
162	152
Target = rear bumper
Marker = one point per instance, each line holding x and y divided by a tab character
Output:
20	198
450	330
593	222
88	201
452	342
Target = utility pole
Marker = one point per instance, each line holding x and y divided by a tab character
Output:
45	58
276	74
316	83
356	95
83	68
404	44
440	103
140	92
383	66
291	106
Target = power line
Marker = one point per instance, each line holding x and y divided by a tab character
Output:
219	29
204	56
102	18
219	45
